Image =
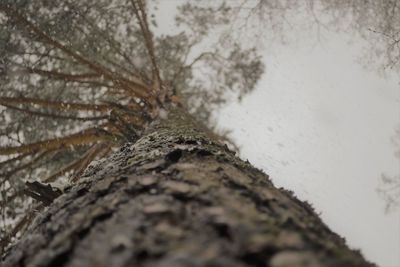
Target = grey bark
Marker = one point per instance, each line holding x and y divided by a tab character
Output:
178	198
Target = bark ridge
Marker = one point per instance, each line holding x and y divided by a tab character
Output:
178	198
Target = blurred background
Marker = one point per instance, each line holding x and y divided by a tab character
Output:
321	125
323	121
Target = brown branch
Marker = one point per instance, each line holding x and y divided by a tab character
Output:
19	226
101	70
136	77
132	109
54	116
53	104
75	164
140	13
89	156
56	74
61	172
29	164
90	84
19	157
87	136
113	44
129	126
8	174
39	55
21	19
104	152
9	199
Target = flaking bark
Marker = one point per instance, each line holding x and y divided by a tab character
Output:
178	198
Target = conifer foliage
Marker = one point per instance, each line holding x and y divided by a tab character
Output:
80	78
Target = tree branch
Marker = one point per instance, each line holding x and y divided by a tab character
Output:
140	13
87	136
76	164
63	106
139	89
54	116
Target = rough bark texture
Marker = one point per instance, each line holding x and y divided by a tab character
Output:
177	198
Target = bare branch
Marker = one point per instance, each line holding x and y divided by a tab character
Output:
87	136
54	116
78	163
19	226
63	106
140	13
139	89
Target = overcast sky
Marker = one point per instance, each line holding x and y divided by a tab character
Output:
319	123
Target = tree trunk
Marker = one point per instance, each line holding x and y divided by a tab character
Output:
178	198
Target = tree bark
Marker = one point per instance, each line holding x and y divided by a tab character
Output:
177	197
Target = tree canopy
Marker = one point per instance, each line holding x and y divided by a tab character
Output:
80	78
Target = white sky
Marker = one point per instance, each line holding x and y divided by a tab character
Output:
320	124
